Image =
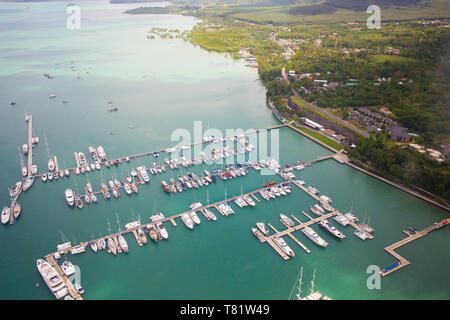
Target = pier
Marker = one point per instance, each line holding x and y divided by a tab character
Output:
402	262
70	288
30	144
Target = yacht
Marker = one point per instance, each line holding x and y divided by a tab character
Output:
210	214
89	188
141	235
51	165
240	202
79	288
34	169
78	249
25	149
101	153
28	183
82	158
116	193
194	217
264	194
342	220
112	246
93	246
258	234
111	184
249	200
159	225
24	171
69	197
360	234
14	190
316	209
117	183
283	246
331	229
78	202
5	215
165	186
281	190
143	173
101	244
351	217
314	237
286	220
262	227
68	268
123	243
51	278
92	166
187	220
127	188
16	210
313	190
134	187
97	166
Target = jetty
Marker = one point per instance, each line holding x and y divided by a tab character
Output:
70	288
411	236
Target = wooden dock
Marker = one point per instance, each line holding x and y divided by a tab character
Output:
293	238
401	261
30	144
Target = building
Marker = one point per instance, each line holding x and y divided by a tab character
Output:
313	124
399	134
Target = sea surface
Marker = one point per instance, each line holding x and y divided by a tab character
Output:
159	86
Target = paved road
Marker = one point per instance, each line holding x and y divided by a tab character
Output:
339	120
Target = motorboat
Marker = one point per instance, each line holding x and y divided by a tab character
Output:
69	197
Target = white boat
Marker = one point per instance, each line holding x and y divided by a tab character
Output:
122	243
87	167
79	288
317	209
240	202
68	268
93	198
286	220
92	166
325	198
313	190
112	246
331	229
342	220
66	172
360	234
15	189
249	200
283	246
70	199
314	237
93	246
78	249
187	220
34	169
127	188
159	225
51	278
262	227
6	212
194	217
351	217
89	188
210	214
51	165
81	158
101	153
25	149
97	166
101	244
28	183
141	235
24	171
52	96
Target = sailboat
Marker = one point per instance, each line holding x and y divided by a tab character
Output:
111	244
122	242
93	244
22	164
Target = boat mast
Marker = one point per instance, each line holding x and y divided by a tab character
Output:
207	196
118	223
300	284
312	282
46	145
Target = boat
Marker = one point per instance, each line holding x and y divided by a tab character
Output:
350	216
112	246
68	268
249	200
133	173
51	278
25	149
122	243
194	217
24	171
82	158
5	215
314	237
15	189
101	244
127	188
111	184
117	183
52	96
187	220
79	288
101	153
93	246
165	186
317	210
152	233
134	187
342	220
286	220
360	234
51	165
143	173
283	246
240	202
115	192
331	229
159	225
78	202
28	183
141	235
78	249
210	214
313	190
89	188
262	227
258	235
61	173
16	210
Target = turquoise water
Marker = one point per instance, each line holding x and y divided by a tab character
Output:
159	86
